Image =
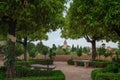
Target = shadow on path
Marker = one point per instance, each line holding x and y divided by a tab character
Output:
74	73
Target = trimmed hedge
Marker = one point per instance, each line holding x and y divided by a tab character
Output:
70	62
24	73
97	63
42	61
34	61
99	75
24	63
111	72
100	63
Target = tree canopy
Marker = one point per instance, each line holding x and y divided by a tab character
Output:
93	19
20	18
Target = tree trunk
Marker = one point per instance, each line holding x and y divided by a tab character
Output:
25	47
11	71
93	49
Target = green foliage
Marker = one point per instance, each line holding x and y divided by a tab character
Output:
52	51
32	50
19	50
101	51
100	64
86	50
60	51
70	62
45	50
66	50
24	63
40	46
27	18
79	52
94	73
35	61
111	68
42	61
97	74
73	48
111	72
73	53
54	47
29	74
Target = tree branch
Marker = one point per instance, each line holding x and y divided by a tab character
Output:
88	39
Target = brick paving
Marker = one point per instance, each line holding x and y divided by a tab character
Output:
72	72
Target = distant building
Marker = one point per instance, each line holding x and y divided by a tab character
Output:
65	45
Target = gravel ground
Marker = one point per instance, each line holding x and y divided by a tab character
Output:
73	72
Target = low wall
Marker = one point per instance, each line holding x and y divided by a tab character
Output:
67	57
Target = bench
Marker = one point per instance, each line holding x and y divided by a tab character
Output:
86	62
40	66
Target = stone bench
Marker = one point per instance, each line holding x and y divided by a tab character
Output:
40	66
86	62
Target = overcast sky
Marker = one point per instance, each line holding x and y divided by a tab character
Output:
54	38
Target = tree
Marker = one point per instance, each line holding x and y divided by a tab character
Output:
45	51
19	49
79	52
101	51
73	48
16	14
40	46
32	50
86	50
52	51
54	47
84	19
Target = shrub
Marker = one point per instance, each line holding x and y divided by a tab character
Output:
24	73
111	68
24	63
107	76
42	61
94	73
70	62
100	63
35	61
111	72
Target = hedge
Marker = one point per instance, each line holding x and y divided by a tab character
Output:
24	73
42	61
99	75
97	63
34	61
111	72
100	64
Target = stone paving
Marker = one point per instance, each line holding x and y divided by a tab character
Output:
74	73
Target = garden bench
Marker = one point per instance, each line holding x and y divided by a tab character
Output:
40	66
86	62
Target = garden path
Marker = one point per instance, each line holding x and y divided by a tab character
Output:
72	72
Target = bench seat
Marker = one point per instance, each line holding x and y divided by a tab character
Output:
40	66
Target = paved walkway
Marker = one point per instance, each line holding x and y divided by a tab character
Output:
72	72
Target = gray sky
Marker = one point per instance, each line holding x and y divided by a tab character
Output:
54	38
